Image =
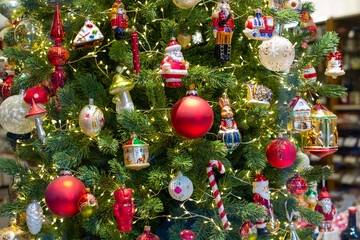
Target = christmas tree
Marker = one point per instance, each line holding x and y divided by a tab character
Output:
103	145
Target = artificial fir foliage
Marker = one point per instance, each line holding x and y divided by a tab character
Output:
98	161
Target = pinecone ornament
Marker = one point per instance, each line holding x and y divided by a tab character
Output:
34	217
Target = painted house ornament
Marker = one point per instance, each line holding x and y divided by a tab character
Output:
181	187
301	111
136	154
322	139
258	94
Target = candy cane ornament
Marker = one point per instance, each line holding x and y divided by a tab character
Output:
215	190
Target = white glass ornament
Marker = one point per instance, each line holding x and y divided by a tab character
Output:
91	119
181	187
277	54
34	217
293	5
28	35
304	160
186	4
12	115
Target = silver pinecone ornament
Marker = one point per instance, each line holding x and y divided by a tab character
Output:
34	217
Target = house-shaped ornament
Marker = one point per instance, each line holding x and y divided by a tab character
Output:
302	115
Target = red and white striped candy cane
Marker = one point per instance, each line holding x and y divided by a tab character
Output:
215	190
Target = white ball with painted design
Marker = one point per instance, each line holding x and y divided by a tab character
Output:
181	187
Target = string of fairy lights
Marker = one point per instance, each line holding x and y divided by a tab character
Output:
70	125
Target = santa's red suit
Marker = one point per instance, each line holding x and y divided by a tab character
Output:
319	208
170	69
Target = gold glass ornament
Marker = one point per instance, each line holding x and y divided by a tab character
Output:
121	87
301	111
91	119
184	39
322	139
273	224
185	4
136	154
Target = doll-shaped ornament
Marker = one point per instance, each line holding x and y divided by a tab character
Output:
223	28
124	209
228	133
119	19
326	208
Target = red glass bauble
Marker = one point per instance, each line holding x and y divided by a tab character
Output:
57	32
192	117
57	79
281	153
148	235
58	56
187	234
5	90
63	194
296	185
38	93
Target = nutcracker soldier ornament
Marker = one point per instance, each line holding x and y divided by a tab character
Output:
326	208
322	139
173	66
334	67
223	28
259	28
124	209
119	19
229	133
265	227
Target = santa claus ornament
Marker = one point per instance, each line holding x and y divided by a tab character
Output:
124	209
223	28
89	36
258	27
192	117
326	208
258	95
6	85
334	67
91	119
322	139
147	235
262	198
228	133
63	193
180	188
119	19
173	66
136	154
281	153
277	54
301	111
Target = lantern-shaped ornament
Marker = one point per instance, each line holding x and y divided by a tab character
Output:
229	133
136	154
301	111
334	67
121	87
322	139
258	94
91	119
259	28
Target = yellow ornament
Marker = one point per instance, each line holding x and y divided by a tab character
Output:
121	87
185	4
273	224
184	39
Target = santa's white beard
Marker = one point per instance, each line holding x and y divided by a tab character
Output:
264	195
259	190
326	207
176	58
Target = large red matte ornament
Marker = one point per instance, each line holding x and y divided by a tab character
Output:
192	117
148	235
296	185
187	234
124	209
38	93
63	194
281	153
58	55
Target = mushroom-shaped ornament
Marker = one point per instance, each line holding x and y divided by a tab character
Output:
36	112
120	88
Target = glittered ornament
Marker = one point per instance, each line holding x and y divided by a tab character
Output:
184	39
148	235
301	112
180	188
39	94
309	73
58	55
334	67
258	27
121	87
322	139
124	209
187	235
136	154
12	115
89	36
258	94
34	217
281	153
277	54
28	35
91	119
296	185
248	231
62	195
186	4
192	117
87	204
